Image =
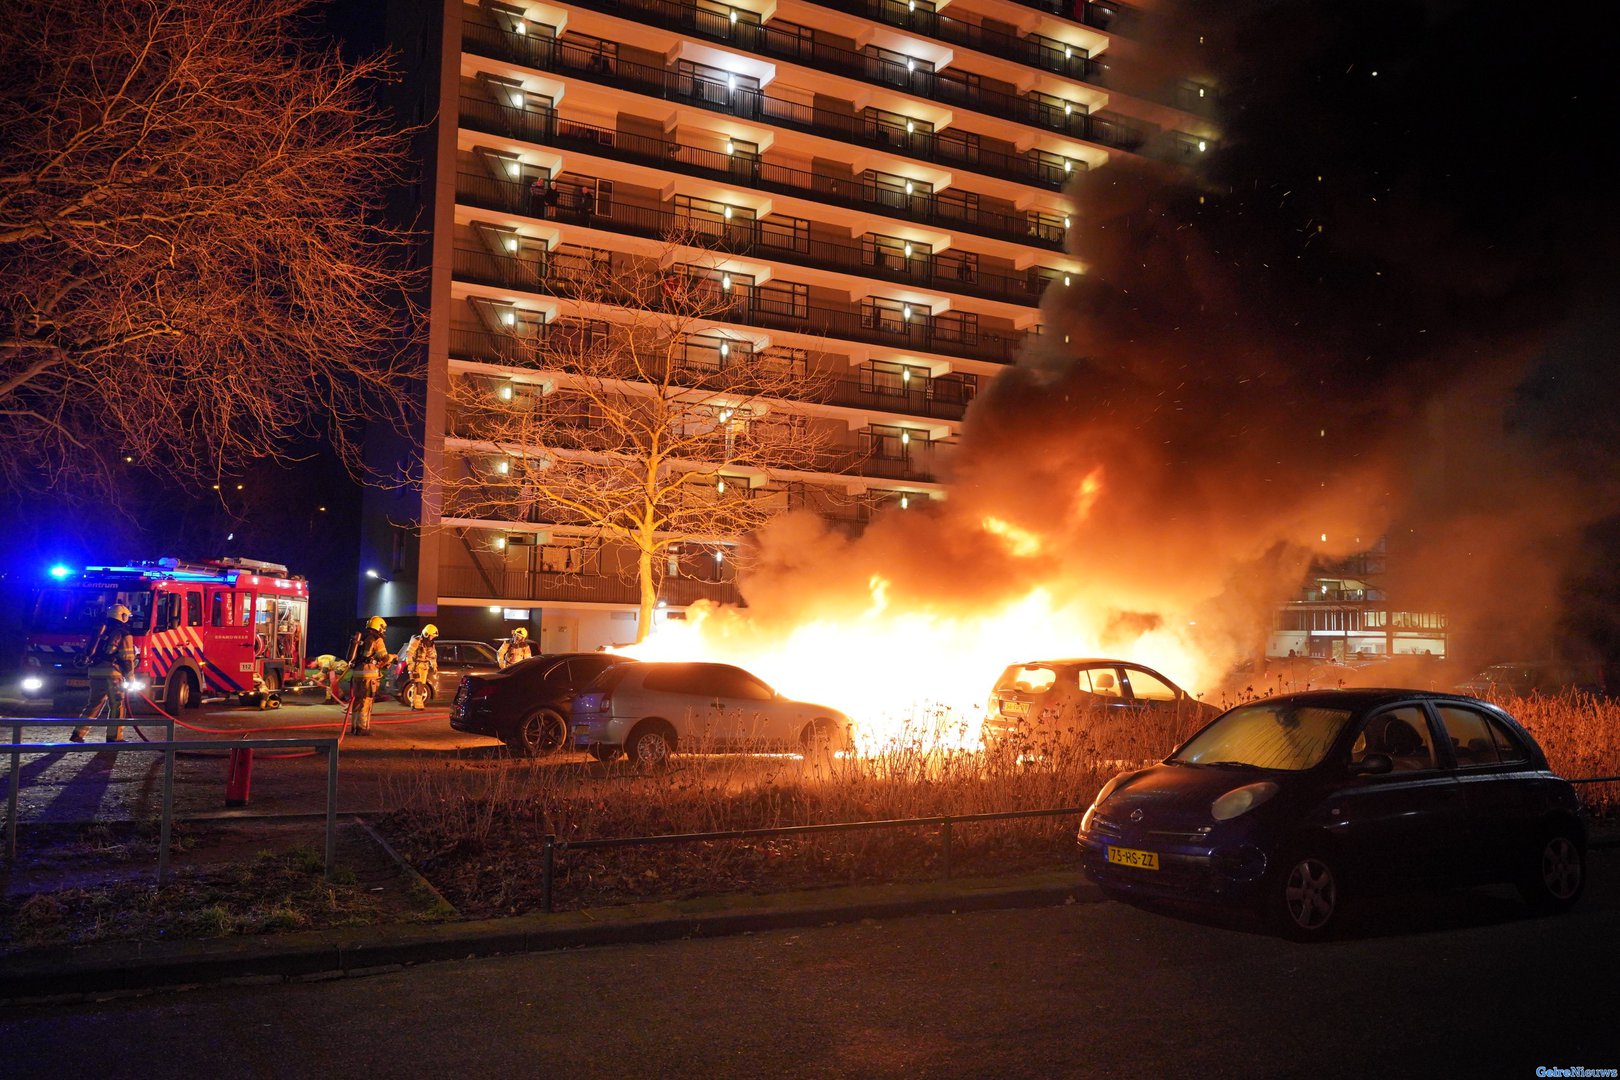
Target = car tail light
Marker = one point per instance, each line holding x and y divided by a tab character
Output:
481	689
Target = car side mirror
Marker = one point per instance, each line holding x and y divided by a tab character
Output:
1372	765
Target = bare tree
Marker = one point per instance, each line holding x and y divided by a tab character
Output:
636	417
194	271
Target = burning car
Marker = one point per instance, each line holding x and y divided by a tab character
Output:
651	710
1297	804
1033	700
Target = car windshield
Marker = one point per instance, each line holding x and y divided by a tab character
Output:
1266	735
77	610
1027	678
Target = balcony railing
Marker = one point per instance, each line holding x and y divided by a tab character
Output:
919	331
951	148
947	271
933	398
948	210
782	41
1109	16
527	585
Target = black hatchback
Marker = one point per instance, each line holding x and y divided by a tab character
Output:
526	705
1297	804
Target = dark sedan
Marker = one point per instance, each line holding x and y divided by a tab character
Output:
526	705
1298	804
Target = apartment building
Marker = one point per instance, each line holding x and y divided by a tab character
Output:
877	186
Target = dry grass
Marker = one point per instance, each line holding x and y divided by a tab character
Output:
477	832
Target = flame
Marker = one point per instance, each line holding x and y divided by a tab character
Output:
1091	489
909	677
1021	543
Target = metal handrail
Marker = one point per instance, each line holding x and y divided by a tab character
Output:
326	745
943	822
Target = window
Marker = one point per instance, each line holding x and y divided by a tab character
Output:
1470	737
194	609
167	612
1401	733
1146	687
786	298
1509	747
1100	681
734	683
224	609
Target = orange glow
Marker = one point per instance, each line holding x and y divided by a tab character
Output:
1090	491
911	677
1021	543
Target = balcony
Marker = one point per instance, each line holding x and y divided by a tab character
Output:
1108	16
768	238
782	40
951	148
539	585
895	326
950	210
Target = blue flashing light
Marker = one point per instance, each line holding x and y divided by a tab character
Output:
59	571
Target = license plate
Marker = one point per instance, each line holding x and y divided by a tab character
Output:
1015	708
1140	860
78	684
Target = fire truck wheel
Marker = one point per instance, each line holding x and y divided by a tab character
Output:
181	692
272	679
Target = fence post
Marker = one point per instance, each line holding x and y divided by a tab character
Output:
548	866
11	798
945	843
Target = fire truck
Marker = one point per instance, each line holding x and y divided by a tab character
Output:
207	627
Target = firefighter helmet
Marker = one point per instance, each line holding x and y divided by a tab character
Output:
520	634
118	613
377	623
430	630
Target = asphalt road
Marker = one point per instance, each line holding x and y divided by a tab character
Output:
1460	985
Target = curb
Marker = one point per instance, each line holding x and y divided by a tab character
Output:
122	968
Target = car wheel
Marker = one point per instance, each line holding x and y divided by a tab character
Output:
180	694
650	745
542	732
1555	873
819	740
1307	900
604	753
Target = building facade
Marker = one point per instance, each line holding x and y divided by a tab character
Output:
876	187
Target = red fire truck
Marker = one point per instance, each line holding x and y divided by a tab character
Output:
205	627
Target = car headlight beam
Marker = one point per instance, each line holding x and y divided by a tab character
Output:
1240	801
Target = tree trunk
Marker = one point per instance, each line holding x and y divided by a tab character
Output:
649	594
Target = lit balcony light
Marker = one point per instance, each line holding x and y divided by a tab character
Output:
513	168
1324	538
1068	109
908	251
373	575
725	282
728	213
1066	279
1200	91
725	416
503	466
509	318
911	65
506	392
725	349
1202	146
905	312
520	27
1068	52
911	128
905	376
1065	339
909	188
720	486
905	438
731	147
911	5
499	544
734	17
719	556
496	610
1065	221
517	98
1068	166
511	243
905	502
731	82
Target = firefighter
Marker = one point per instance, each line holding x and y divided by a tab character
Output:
515	649
368	656
111	658
421	667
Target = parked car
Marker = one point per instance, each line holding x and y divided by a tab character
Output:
456	659
1033	699
1301	803
526	705
1522	678
655	709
